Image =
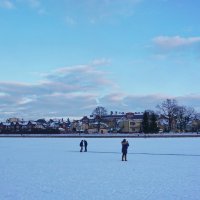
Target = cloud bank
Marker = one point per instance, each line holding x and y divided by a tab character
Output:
67	91
173	42
75	91
94	11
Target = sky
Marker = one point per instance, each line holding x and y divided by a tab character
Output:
64	58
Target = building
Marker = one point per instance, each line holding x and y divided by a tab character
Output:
130	123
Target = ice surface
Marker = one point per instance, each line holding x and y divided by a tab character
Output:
54	169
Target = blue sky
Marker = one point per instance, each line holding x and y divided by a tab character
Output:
63	58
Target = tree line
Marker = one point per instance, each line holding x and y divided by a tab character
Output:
176	116
168	113
172	116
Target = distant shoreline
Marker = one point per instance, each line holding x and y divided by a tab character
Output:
110	135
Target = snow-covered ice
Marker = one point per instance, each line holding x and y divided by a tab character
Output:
54	169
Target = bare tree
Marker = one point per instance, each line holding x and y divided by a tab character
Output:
196	124
185	115
168	110
99	111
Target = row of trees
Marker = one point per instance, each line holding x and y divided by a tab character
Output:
174	116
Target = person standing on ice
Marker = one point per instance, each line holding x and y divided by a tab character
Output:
81	145
125	146
85	145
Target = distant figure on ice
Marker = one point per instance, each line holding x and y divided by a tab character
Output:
85	145
125	146
81	145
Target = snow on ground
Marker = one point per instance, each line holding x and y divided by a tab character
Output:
54	169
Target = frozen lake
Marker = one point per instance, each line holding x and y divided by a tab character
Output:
54	169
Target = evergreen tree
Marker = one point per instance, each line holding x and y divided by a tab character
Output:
153	127
68	121
145	122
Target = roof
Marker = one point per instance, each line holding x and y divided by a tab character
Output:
6	123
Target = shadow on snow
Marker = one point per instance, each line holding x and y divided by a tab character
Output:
148	154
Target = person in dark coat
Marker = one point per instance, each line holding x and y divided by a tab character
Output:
125	146
81	145
85	145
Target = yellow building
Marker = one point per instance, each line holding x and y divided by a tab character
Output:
130	123
13	119
98	128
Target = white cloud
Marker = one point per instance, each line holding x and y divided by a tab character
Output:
67	91
192	100
7	4
102	61
94	11
2	94
84	77
34	3
167	42
139	103
76	91
70	21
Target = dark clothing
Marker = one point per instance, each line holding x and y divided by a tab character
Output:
81	145
125	146
124	157
85	145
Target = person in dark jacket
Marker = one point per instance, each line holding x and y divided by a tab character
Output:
81	145
125	146
85	145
